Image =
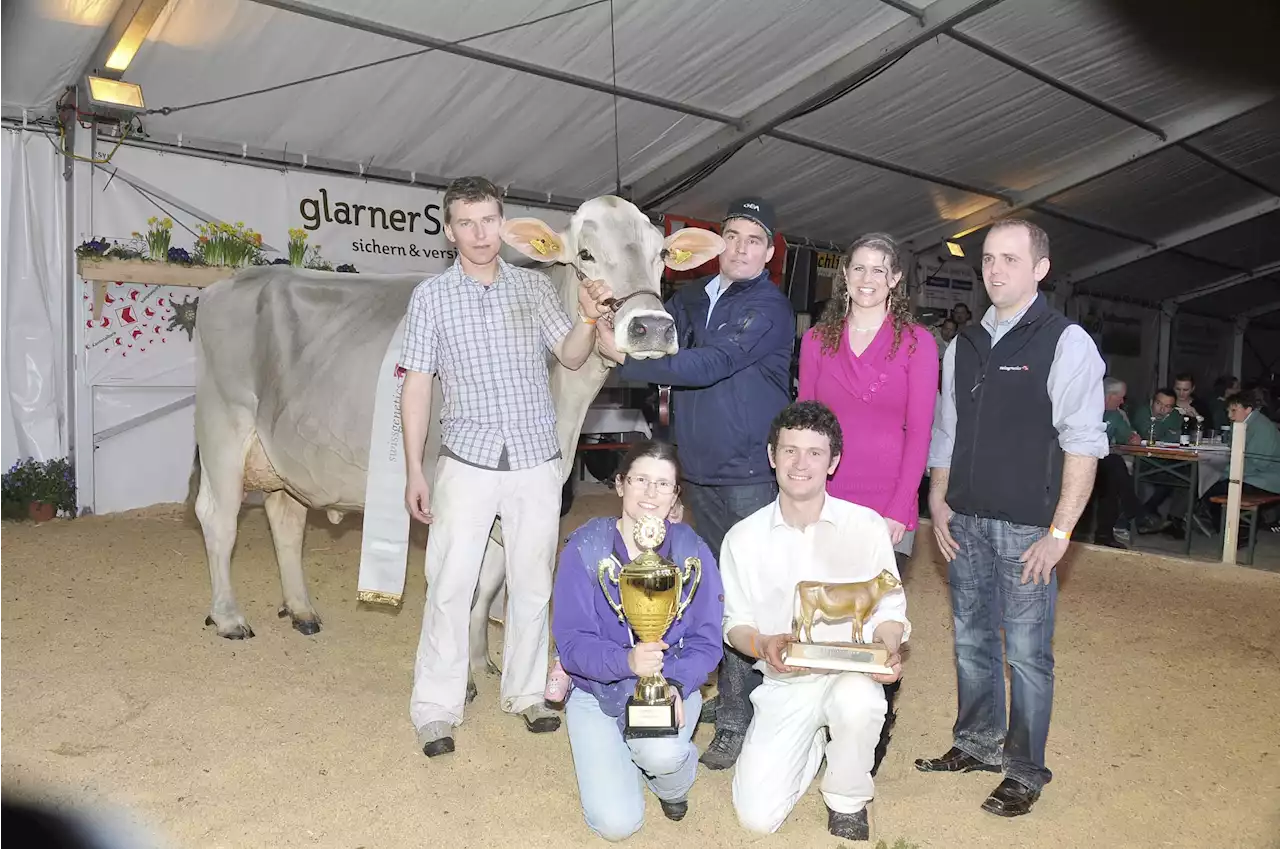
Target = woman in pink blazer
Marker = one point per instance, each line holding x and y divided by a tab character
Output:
877	369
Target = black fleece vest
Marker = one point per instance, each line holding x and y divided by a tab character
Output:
1006	462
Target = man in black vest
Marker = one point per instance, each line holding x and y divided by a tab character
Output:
1015	446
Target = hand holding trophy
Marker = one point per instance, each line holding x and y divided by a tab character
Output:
833	603
649	600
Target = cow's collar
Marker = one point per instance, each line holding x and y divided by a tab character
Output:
611	304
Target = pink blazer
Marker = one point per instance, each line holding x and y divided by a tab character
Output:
885	407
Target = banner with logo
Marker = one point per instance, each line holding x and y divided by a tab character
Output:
137	374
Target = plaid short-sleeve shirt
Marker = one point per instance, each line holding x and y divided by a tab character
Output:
490	346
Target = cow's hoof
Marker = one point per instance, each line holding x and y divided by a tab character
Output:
472	692
235	631
307	626
302	624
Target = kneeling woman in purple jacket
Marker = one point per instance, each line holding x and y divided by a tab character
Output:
603	660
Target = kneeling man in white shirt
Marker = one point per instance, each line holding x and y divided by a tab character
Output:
807	535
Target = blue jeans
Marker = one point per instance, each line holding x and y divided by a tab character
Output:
715	510
610	767
987	594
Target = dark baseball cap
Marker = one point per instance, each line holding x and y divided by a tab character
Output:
753	209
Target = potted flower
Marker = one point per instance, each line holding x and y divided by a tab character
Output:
223	244
297	247
39	490
159	234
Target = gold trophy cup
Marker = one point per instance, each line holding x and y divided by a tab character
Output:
649	591
836	602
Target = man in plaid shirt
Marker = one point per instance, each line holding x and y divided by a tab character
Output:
485	327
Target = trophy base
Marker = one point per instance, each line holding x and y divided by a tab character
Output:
842	657
650	720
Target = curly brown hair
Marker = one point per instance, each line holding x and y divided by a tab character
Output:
831	326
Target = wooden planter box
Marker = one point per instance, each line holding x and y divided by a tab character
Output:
112	270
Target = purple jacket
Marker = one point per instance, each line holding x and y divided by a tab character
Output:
593	644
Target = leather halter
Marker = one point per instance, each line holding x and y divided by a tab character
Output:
611	304
615	304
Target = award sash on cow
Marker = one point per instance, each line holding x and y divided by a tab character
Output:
649	592
833	603
384	550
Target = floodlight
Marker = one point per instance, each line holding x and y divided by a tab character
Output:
114	95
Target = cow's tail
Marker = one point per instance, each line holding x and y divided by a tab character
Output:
193	490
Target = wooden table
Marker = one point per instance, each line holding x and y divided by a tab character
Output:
1179	467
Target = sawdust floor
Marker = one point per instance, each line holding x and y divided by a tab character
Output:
1165	729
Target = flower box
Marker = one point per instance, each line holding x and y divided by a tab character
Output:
105	270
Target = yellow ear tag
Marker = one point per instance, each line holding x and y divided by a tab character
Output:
680	255
543	246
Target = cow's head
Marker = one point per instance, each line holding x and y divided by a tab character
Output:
610	239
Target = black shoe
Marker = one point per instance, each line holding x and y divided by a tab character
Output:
723	751
955	761
540	719
709	708
675	810
1011	799
1108	540
849	826
436	739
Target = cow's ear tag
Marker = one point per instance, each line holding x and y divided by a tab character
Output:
543	246
679	255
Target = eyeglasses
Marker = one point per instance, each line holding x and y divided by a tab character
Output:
664	487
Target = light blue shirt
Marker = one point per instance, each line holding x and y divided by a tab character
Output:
1074	385
714	292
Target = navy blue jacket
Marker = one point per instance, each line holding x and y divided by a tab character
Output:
729	379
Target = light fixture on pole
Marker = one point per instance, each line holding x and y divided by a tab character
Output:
115	97
955	249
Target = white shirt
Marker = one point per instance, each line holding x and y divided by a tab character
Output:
763	558
714	290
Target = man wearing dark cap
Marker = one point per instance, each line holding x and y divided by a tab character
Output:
730	378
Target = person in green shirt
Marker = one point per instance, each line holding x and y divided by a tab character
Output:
1113	487
1161	419
1168	427
1261	463
1261	451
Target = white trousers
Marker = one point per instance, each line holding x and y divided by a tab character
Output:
786	741
464	502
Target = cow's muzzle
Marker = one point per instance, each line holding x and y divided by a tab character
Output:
646	334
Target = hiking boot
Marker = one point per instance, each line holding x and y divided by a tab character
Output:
708	714
436	738
675	811
849	826
540	719
723	751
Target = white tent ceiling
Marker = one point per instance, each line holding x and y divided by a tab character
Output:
923	119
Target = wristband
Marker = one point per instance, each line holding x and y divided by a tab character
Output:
586	320
755	652
1059	534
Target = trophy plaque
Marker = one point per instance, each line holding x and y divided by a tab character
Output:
857	601
649	600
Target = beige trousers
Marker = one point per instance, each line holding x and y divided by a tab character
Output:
787	740
464	502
